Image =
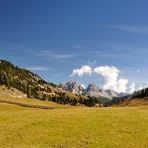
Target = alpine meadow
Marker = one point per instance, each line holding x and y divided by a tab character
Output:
73	74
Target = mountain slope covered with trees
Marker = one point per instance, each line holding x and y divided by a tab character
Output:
137	98
35	87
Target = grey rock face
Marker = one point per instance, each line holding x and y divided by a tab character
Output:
72	86
92	90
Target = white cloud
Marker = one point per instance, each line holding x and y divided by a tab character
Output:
132	88
50	54
38	68
111	78
135	87
141	86
134	29
82	71
54	55
111	81
122	85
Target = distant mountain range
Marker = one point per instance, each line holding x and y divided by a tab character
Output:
72	86
92	90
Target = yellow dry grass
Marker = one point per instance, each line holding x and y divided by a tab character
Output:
73	127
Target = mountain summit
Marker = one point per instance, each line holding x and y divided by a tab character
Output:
92	90
72	86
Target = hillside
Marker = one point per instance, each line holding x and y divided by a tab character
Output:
10	92
24	80
135	102
138	98
35	87
13	96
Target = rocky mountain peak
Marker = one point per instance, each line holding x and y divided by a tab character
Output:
92	90
72	86
93	87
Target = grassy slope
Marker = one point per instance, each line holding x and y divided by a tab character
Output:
5	95
68	126
35	102
73	127
134	102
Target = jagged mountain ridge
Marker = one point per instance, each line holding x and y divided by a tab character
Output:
72	86
92	90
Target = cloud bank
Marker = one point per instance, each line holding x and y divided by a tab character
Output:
134	29
111	80
132	87
110	76
82	71
54	55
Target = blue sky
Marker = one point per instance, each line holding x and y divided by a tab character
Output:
54	37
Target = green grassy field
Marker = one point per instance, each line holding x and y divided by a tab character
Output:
68	127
